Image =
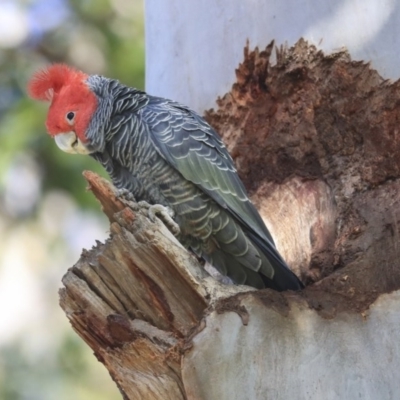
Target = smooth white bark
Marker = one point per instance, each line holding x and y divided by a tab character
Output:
193	47
299	356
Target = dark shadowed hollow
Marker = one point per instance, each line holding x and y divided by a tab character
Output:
315	140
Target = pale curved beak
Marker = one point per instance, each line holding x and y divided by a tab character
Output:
70	143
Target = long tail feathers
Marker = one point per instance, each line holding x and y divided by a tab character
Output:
284	278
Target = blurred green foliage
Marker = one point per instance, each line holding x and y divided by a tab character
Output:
97	36
63	375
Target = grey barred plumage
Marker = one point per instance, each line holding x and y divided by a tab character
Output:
167	156
165	153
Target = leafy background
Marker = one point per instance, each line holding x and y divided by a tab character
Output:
46	216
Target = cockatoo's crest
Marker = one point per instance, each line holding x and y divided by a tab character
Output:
47	82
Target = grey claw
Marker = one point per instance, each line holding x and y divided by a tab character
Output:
125	194
165	214
144	204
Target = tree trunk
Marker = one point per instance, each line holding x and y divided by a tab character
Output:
314	138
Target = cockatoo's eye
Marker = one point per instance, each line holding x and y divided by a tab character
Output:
70	117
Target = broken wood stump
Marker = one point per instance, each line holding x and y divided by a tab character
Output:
134	299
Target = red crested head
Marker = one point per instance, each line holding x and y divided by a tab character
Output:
72	102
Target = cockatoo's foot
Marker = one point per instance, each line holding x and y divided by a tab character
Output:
165	214
125	194
127	198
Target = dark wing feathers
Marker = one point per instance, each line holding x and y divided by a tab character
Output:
185	141
191	146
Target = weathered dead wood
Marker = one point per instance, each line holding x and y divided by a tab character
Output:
134	299
137	299
315	141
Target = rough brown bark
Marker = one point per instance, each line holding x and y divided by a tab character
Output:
137	299
134	299
314	138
